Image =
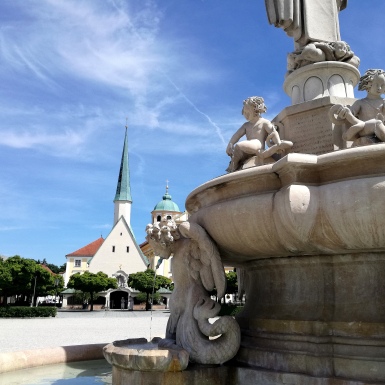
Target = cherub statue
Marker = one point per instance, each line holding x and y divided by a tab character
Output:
365	117
321	51
197	269
260	133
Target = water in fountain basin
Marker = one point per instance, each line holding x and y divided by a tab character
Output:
152	303
153	289
96	372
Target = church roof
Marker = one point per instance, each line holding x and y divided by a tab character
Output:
166	204
130	232
123	189
45	267
144	258
88	250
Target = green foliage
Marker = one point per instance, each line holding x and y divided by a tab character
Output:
27	312
230	310
91	283
54	268
18	276
232	282
142	297
143	281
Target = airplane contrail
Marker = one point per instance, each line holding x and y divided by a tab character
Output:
217	128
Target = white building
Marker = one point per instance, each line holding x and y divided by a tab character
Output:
118	255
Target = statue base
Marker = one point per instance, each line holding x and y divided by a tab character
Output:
322	316
317	80
308	126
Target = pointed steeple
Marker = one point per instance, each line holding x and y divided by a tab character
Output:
123	200
123	189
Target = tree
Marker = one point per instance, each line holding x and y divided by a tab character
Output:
232	282
5	280
142	297
54	268
92	283
144	281
25	277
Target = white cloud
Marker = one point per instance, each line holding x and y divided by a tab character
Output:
93	63
102	227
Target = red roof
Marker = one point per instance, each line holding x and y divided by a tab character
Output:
48	269
89	250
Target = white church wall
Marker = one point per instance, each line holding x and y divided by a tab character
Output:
118	252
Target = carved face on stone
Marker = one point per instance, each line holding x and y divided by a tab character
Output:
253	106
377	87
340	49
248	112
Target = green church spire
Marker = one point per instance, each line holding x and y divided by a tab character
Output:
123	189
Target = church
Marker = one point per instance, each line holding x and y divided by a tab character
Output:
119	254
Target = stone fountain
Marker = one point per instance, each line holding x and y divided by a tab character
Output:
301	215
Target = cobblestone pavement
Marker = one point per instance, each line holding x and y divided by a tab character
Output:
80	328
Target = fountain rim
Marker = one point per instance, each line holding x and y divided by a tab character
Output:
24	359
295	168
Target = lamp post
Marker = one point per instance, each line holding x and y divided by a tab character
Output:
34	290
56	285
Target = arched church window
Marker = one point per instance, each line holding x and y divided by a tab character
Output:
159	218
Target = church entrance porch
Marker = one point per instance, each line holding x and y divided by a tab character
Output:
119	299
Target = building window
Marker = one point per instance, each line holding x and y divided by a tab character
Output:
78	262
128	248
168	216
113	249
158	218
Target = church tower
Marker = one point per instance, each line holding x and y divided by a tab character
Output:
123	200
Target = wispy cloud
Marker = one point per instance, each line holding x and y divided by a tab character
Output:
26	139
213	124
106	226
106	51
11	228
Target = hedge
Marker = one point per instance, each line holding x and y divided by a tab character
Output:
27	312
230	310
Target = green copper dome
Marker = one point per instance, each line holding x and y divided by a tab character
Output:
166	204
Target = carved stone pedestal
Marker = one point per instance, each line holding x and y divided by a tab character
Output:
317	80
308	126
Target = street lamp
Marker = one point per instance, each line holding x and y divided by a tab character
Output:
34	290
56	285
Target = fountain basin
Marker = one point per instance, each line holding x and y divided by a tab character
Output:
12	361
301	205
307	235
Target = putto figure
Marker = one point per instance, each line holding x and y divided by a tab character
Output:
365	118
259	132
319	52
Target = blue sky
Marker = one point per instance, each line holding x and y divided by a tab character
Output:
71	72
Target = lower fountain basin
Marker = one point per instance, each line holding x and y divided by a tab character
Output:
96	372
132	357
